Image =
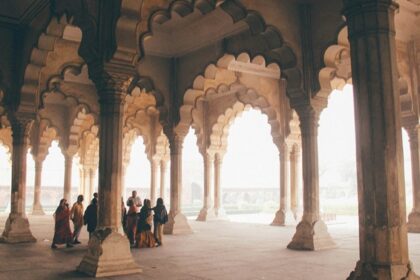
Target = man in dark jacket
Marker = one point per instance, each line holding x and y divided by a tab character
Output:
91	216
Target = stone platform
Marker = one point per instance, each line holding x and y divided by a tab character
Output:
216	250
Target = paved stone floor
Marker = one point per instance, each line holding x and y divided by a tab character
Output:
216	250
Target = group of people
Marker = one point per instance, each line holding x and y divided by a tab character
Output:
137	222
140	219
63	214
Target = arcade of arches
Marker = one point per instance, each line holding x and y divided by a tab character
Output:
94	75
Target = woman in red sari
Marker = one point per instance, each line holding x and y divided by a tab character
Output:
62	232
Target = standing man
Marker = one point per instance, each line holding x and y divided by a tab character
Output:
135	199
76	216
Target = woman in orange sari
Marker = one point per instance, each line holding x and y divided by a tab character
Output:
62	232
131	222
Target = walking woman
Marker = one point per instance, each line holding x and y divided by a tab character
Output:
62	232
145	236
160	218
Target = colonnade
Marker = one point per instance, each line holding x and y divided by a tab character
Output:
382	222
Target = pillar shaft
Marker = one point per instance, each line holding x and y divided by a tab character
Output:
154	165
208	163
177	221
162	178
109	250
82	188
68	164
17	226
311	232
382	227
283	215
92	173
37	207
414	216
294	179
217	180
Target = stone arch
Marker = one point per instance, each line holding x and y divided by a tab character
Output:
48	134
138	19
247	99
82	123
224	79
43	63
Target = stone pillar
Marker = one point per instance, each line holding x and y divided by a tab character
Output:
294	180
109	250
92	173
284	215
382	227
177	223
219	211
311	232
205	212
37	207
162	178
154	164
17	225
82	187
123	187
68	164
414	216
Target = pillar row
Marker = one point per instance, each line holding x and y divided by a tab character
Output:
109	250
17	228
311	232
383	241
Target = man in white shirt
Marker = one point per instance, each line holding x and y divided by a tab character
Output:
136	200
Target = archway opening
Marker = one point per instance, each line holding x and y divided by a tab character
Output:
192	176
250	176
337	158
137	176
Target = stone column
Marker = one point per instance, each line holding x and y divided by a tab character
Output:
311	232
382	227
82	188
154	164
17	225
284	215
109	250
123	187
92	173
414	216
294	180
68	164
37	207
205	212
219	211
177	223
162	178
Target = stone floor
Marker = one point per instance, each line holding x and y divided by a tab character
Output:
216	250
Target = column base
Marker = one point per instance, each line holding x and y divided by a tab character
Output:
283	218
413	224
311	236
212	214
108	255
366	271
177	224
17	230
37	210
